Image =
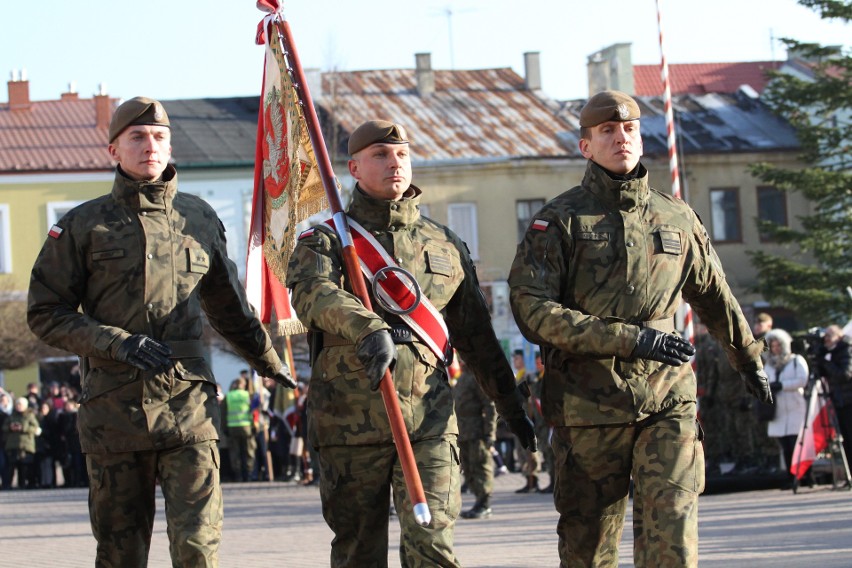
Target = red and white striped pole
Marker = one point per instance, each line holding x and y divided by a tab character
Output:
686	310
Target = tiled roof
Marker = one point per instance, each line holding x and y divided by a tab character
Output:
471	115
701	78
52	136
709	123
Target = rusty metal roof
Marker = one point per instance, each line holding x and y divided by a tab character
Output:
52	136
472	115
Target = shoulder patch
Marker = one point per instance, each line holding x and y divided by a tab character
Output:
55	232
306	233
540	225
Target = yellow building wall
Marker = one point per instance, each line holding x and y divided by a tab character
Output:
28	198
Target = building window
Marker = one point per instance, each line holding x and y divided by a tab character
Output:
771	206
425	210
725	215
525	209
461	218
57	209
5	240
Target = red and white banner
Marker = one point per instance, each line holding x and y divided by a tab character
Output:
287	186
399	293
815	435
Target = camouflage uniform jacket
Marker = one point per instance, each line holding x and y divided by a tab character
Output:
143	259
342	408
597	261
475	412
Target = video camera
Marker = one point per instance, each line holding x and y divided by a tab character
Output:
810	343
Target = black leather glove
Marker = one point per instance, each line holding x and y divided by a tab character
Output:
775	386
757	383
284	378
666	348
144	353
522	427
378	354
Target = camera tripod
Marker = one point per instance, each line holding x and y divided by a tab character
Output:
841	477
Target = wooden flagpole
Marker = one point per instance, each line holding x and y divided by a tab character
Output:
352	266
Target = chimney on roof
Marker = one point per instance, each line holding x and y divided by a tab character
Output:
532	71
611	68
71	95
313	76
19	91
424	74
103	108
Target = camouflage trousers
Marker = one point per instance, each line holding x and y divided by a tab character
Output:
122	505
355	486
547	461
242	444
530	461
594	465
477	466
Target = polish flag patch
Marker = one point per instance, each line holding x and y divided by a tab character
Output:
306	233
540	224
55	232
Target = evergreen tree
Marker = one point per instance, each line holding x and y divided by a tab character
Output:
813	275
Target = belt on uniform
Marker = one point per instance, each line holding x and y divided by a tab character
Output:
185	349
665	325
399	334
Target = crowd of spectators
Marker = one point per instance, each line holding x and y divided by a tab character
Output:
39	442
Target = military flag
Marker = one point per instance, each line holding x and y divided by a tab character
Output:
287	185
815	435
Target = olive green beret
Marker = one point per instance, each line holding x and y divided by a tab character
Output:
607	106
138	110
375	131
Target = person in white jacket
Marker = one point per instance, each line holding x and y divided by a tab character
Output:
788	375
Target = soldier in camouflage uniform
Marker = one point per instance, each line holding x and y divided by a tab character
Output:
732	434
542	426
143	262
596	282
353	347
477	420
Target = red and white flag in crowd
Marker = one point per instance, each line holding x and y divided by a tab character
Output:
287	186
815	435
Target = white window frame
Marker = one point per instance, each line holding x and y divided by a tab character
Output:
57	209
5	239
462	220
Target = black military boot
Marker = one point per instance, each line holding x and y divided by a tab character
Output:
531	486
481	510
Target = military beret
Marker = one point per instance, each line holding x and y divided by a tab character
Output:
609	105
138	110
375	131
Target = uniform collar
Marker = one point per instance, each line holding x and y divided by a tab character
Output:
379	214
146	195
617	194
